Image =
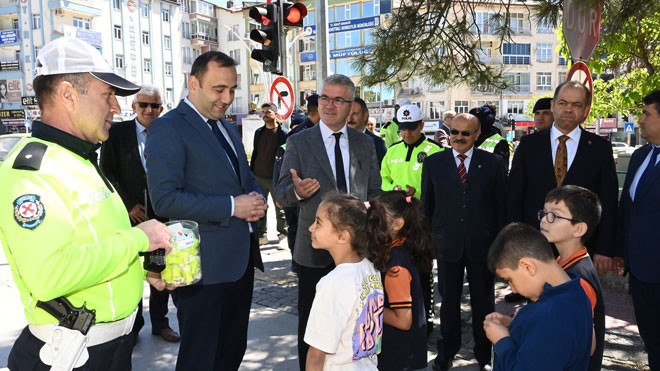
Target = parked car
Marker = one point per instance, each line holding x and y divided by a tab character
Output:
618	147
8	142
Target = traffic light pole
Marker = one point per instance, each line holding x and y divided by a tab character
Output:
321	43
283	46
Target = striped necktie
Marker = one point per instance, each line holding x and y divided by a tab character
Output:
462	171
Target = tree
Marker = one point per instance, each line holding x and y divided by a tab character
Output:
440	40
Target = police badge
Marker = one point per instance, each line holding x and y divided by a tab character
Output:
421	156
29	211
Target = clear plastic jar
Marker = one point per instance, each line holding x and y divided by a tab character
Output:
183	263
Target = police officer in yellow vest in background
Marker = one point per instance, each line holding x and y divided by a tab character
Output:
402	166
390	131
64	229
491	139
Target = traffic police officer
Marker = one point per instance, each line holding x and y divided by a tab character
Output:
402	165
64	229
390	131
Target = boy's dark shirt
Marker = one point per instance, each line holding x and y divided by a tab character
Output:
405	350
552	333
581	263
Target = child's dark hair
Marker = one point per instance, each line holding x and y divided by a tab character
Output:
419	241
583	205
517	241
348	213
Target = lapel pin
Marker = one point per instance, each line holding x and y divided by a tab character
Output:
589	142
479	166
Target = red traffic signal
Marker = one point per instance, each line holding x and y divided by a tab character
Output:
268	35
294	14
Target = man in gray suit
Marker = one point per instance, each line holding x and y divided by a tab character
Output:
348	164
197	170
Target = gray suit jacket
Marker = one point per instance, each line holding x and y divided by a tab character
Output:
190	177
305	152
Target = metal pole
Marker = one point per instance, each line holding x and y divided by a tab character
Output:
283	40
322	55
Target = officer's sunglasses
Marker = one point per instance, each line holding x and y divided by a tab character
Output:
465	133
153	105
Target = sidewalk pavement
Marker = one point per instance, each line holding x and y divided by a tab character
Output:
273	321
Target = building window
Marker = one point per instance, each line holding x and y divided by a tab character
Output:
186	55
544	52
435	110
185	30
15	23
238	81
83	23
236	55
485	23
561	77
309	20
516	53
186	75
256	78
17	54
517	22
169	95
36	21
145	9
119	61
371	8
146	66
308	72
166	15
167	41
543	81
461	106
187	6
231	34
116	4
145	38
562	60
544	26
117	32
516	107
519	82
168	68
36	50
196	53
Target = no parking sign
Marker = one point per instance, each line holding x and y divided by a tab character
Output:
281	93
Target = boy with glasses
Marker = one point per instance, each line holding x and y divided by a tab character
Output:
569	216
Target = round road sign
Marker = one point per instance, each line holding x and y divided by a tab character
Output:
281	93
580	73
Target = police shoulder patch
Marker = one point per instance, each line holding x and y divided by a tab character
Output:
421	156
29	211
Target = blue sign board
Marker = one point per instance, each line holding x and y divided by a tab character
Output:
350	52
91	37
8	37
629	127
308	57
354	24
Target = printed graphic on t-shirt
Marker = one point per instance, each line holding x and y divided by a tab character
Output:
367	338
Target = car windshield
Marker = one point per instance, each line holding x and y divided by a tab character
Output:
6	145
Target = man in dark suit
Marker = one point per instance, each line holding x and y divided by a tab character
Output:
197	170
358	118
460	194
442	135
566	154
123	162
639	213
328	157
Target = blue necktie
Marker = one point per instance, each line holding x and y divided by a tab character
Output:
648	170
223	141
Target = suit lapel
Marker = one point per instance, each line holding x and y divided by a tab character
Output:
633	167
354	153
317	148
582	158
639	193
132	144
475	168
545	153
195	121
450	163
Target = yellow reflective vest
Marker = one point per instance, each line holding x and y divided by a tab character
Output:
65	232
402	164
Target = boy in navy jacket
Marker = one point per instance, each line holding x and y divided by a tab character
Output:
554	331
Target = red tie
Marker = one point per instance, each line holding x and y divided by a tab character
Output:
462	172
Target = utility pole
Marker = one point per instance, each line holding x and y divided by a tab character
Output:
322	56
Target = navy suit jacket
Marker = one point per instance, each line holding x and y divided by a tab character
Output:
532	176
381	149
190	177
464	220
638	222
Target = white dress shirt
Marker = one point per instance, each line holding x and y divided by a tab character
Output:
640	171
467	160
329	142
141	134
571	144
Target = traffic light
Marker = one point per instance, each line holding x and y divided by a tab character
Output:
269	35
294	14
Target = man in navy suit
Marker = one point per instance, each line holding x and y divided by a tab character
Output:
358	118
460	194
566	154
123	162
639	214
197	170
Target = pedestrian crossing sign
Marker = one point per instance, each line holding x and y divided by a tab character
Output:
629	127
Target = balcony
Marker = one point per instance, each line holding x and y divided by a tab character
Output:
518	89
82	7
203	40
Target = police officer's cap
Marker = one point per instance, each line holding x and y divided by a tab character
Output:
73	55
409	117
